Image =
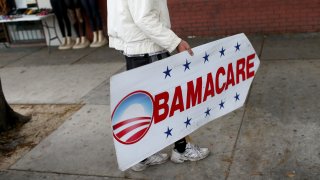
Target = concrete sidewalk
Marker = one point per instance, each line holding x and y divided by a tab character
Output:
274	136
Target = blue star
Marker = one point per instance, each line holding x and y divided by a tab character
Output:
208	112
237	47
167	72
168	132
237	97
222	52
221	104
186	65
188	122
206	57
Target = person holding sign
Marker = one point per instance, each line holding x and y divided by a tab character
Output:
140	29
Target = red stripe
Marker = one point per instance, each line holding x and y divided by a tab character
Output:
116	126
136	135
125	131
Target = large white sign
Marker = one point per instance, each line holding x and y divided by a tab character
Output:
157	104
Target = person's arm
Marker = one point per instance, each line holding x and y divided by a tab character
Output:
146	17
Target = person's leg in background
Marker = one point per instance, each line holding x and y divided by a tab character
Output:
60	11
66	18
86	6
71	13
101	40
81	41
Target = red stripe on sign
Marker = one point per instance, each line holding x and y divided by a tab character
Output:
116	126
137	135
127	130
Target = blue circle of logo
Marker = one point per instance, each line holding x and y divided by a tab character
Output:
132	117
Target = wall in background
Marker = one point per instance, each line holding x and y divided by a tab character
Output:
221	17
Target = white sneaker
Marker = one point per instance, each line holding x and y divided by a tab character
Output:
157	158
192	153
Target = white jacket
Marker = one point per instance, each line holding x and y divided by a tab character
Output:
140	26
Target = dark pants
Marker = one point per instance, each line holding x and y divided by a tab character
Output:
92	10
137	61
60	10
79	24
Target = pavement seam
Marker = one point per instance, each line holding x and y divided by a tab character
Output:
262	46
69	174
242	118
236	143
18	59
238	135
86	55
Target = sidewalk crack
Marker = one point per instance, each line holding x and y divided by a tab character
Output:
262	46
227	173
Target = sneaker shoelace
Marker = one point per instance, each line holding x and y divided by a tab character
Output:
154	158
195	149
